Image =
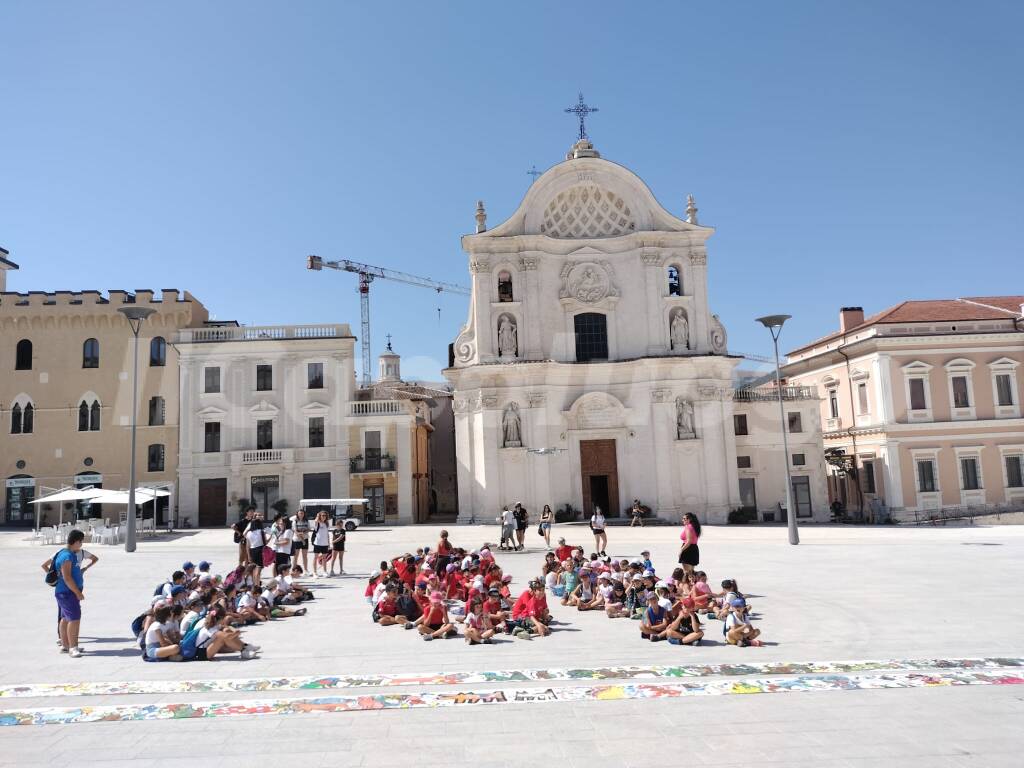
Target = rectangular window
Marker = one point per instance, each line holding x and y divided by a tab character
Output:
1004	389
862	398
926	476
156	411
211	380
833	404
591	337
315	376
802	496
867	475
918	402
960	399
799	459
371	451
795	423
739	424
969	470
316	432
264	434
212	437
264	378
156	458
743	462
1014	472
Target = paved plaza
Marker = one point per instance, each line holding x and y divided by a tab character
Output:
885	646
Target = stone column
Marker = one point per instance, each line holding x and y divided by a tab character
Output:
654	276
488	458
699	325
663	430
882	374
186	412
481	271
890	455
530	334
538	467
464	459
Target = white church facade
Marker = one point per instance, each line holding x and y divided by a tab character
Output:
592	369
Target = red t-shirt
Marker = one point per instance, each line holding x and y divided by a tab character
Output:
563	553
370	587
387	607
525	606
421	600
433	615
492	605
456	586
540	604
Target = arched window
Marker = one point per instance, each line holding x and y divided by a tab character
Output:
675	281
23	356
16	420
157	352
27	417
89	416
591	337
22	415
504	286
156	411
91	354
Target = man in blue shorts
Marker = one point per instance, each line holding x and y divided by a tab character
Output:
69	593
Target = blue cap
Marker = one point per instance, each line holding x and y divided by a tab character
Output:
738	602
177	590
188	565
204	565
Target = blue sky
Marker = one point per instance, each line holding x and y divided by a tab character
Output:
847	153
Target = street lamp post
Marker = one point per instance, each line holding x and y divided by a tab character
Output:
774	325
135	316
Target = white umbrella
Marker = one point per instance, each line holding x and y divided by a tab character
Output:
68	494
142	496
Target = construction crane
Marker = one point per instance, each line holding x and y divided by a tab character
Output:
367	274
758	358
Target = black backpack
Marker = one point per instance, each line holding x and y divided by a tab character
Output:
51	574
408	607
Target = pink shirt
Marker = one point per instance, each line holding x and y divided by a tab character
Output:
693	533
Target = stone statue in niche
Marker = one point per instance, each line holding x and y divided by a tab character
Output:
508	337
684	420
679	331
717	336
510	427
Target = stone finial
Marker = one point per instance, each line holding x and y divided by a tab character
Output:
691	210
582	148
481	217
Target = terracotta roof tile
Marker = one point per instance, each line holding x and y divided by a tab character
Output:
935	311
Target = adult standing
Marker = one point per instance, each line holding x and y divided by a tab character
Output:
68	592
239	528
300	543
546	518
597	523
507	527
444	554
522	523
689	553
638	514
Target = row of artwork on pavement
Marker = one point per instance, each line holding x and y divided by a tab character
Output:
40	690
616	692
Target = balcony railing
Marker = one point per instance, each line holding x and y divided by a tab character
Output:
376	408
262	333
263	456
771	393
383	464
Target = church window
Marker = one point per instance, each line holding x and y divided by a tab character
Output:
675	281
89	416
504	286
591	337
23	356
91	354
16	420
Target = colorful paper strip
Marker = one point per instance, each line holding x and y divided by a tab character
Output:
330	682
631	691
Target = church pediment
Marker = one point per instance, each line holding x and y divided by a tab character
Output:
587	250
210	413
315	409
264	410
597	410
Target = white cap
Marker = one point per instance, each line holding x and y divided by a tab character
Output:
665	603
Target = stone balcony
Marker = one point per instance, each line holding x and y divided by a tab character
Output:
263	456
376	408
770	393
228	333
361	466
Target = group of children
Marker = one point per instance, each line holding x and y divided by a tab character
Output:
667	608
196	615
437	592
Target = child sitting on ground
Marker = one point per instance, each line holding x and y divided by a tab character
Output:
738	629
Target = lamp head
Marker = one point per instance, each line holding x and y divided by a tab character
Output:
136	313
773	321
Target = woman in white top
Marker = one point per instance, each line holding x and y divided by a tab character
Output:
597	523
256	539
283	537
321	543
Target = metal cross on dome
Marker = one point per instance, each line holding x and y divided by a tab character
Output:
581	110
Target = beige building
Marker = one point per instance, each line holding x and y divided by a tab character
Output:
66	393
923	402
